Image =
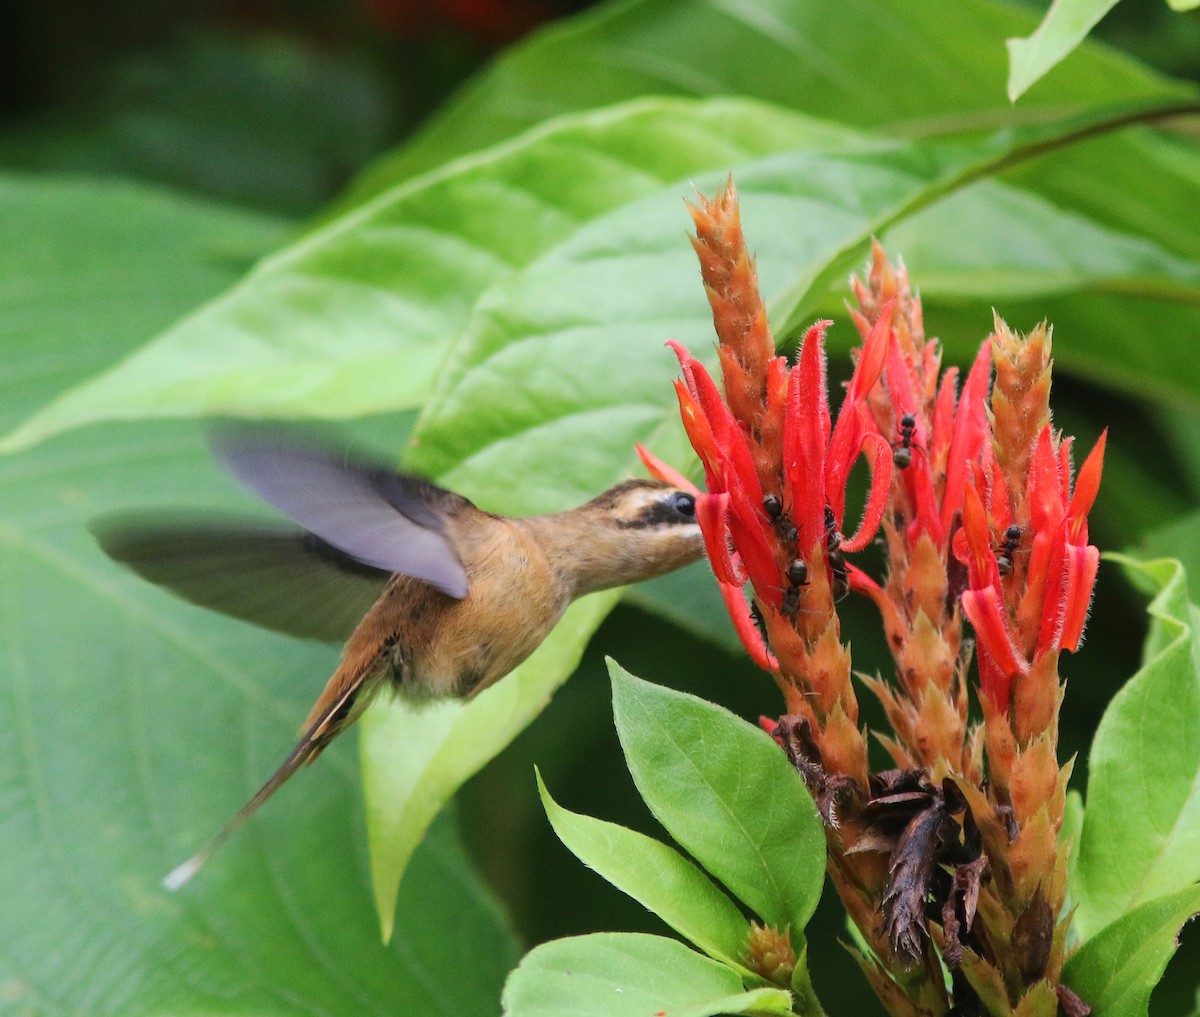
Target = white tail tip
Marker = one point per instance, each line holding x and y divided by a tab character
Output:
179	875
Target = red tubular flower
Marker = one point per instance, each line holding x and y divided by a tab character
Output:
817	457
1062	567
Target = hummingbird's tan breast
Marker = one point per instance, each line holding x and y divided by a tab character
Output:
429	644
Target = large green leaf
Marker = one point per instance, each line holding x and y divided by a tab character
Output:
1115	971
856	59
137	723
578	334
1141	827
92	269
726	793
627	975
1064	27
655	875
357	317
416	756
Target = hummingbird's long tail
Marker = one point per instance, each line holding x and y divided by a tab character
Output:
324	728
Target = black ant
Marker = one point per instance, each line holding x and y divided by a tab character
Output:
902	450
797	577
791	602
1009	542
785	528
833	555
760	622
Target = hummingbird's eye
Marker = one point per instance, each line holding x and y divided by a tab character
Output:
684	504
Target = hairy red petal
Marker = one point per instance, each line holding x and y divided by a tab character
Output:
982	570
712	515
985	610
1082	565
874	355
1053	579
970	433
754	543
1044	488
880	453
1087	486
700	434
743	625
805	438
942	426
994	682
661	471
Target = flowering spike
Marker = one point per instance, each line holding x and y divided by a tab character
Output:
661	471
881	481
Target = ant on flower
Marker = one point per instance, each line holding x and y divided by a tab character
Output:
902	449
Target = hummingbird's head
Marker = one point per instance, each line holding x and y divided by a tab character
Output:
637	530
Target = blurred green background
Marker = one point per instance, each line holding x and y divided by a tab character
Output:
273	108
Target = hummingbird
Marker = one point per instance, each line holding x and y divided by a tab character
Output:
434	596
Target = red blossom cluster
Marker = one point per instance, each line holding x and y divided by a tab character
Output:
973	498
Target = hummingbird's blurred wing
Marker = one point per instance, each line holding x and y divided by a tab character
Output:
387	520
273	575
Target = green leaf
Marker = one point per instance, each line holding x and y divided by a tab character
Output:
1064	27
357	317
656	876
726	792
136	723
415	756
592	373
615	974
1141	829
1040	261
1115	971
101	267
806	57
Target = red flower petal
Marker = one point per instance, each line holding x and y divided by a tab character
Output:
942	425
700	434
985	610
1087	486
854	419
661	471
744	626
1082	566
1044	486
755	545
712	515
881	481
874	355
970	433
805	438
982	571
